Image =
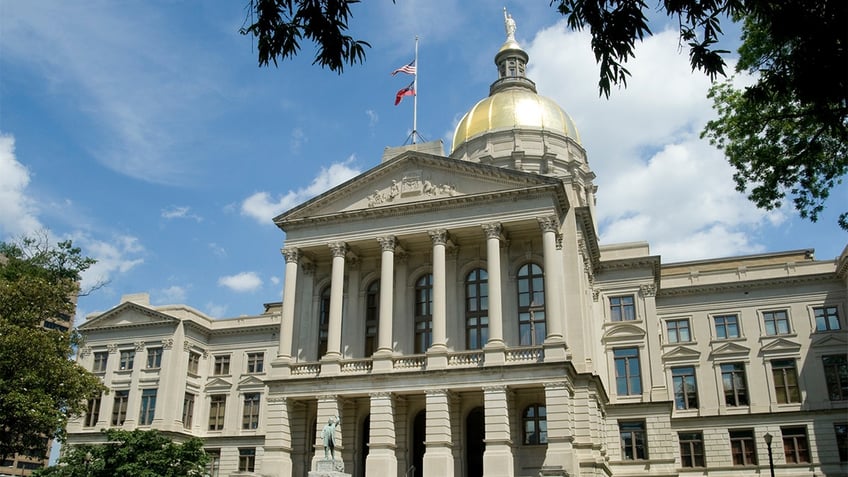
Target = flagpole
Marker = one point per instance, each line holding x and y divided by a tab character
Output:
415	95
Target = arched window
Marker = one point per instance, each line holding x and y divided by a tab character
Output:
324	322
423	313
476	309
531	305
372	317
535	421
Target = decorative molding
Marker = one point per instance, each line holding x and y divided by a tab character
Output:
308	268
493	230
648	290
381	394
338	249
85	351
167	343
548	224
595	294
410	185
186	345
139	345
439	236
387	243
276	399
112	348
291	254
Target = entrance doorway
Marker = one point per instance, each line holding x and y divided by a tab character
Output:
475	433
419	435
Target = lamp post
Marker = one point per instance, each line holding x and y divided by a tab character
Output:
768	437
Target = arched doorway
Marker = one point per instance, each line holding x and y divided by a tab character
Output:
419	434
475	433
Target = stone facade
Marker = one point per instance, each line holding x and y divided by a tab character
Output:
460	317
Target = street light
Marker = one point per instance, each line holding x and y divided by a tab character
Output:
768	437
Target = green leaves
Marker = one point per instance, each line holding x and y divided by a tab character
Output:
279	26
137	453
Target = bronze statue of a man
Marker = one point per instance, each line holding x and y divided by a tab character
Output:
329	435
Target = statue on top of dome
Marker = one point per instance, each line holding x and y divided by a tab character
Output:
509	24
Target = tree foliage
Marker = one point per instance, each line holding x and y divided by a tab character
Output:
787	134
138	453
40	387
279	27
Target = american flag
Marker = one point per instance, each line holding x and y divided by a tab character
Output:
408	69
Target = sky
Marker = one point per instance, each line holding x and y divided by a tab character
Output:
146	132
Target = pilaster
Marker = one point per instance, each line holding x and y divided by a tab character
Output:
497	458
277	461
560	453
438	457
382	459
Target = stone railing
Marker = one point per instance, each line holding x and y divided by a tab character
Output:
529	354
465	359
357	366
410	362
305	369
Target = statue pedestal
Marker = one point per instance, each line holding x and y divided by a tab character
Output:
328	468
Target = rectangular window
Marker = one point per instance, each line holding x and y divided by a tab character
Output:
154	358
148	407
776	322
734	383
119	407
92	414
222	364
795	446
827	318
685	387
247	459
691	449
836	374
726	326
250	416
678	331
622	308
193	363
742	448
188	410
255	362
100	360
217	405
213	468
127	358
841	431
785	376
634	440
628	380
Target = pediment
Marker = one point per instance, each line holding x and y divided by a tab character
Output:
128	314
830	339
780	346
415	177
681	353
251	381
623	332
730	350
218	384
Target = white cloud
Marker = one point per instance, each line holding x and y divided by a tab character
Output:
297	139
241	282
172	295
657	180
373	117
18	210
217	250
263	207
275	280
216	311
120	255
180	212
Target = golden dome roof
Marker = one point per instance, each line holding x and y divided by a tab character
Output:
514	108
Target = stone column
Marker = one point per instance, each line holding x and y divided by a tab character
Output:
438	457
381	458
334	339
493	257
292	256
277	460
329	407
439	238
497	458
353	330
653	328
553	317
172	376
387	264
560	458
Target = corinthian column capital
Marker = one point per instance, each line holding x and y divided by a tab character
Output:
291	254
339	249
387	243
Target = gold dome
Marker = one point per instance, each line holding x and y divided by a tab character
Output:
514	108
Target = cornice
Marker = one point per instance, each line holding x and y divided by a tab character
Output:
746	284
587	225
444	203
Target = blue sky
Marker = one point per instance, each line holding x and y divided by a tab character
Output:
145	131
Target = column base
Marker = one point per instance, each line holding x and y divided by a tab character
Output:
280	367
438	461
494	353
555	350
498	461
331	365
381	361
382	462
437	357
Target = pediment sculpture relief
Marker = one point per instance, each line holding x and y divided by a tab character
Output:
410	185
